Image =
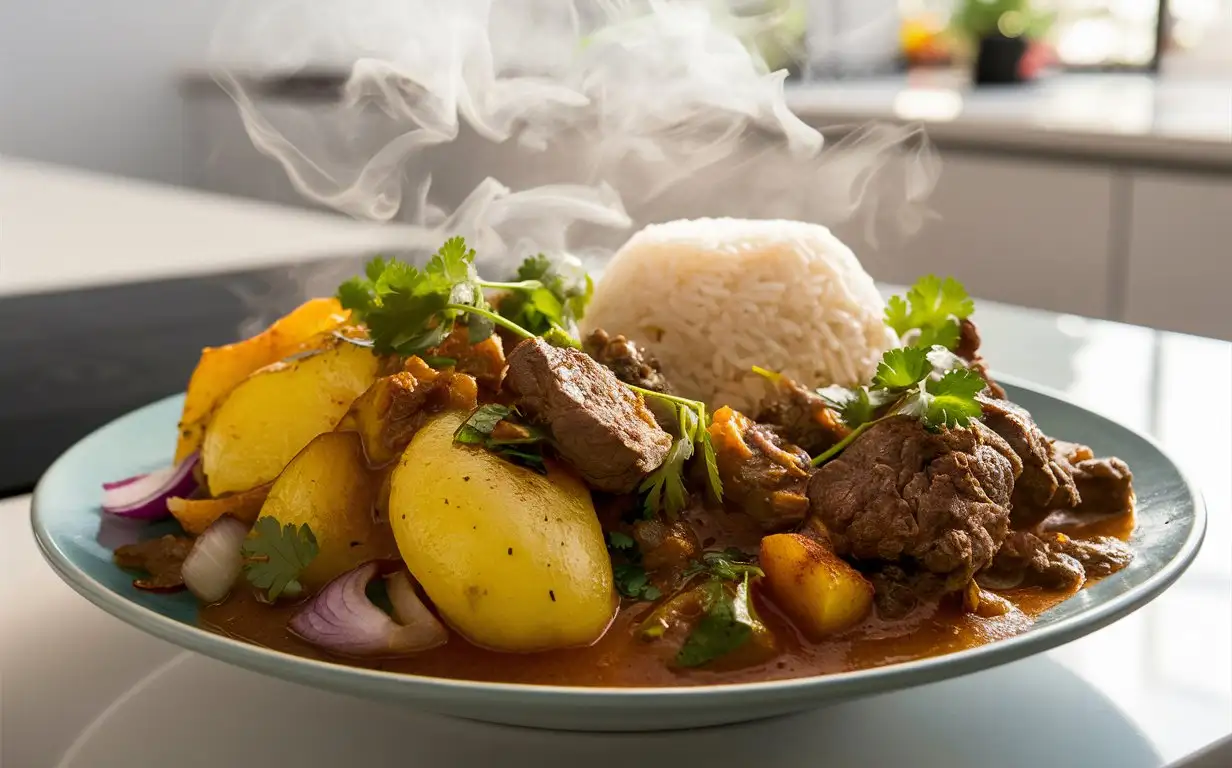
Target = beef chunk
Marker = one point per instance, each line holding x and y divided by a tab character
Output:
940	500
969	350
1046	483
897	591
665	546
160	558
1100	556
631	364
1105	485
1026	559
802	417
1053	561
762	474
599	425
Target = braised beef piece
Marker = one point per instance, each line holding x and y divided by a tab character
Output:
897	591
762	474
802	417
1046	482
160	558
631	364
484	361
599	425
969	350
1105	485
1053	560
665	545
901	493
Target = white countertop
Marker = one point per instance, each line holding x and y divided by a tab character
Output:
64	228
1113	116
82	689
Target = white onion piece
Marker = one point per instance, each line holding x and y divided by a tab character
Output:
341	618
144	497
214	563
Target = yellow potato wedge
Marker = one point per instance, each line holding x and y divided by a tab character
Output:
195	515
514	560
328	486
817	590
274	413
221	369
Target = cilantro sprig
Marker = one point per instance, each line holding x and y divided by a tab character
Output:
728	623
665	487
275	556
487	426
549	295
629	575
933	307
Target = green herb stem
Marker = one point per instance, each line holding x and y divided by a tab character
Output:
521	285
838	447
495	318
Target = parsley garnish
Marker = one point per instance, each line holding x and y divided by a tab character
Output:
517	443
547	295
729	622
275	556
933	307
730	564
915	381
618	540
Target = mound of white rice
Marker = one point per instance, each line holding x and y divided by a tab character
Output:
711	298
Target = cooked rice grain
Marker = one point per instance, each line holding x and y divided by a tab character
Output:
711	298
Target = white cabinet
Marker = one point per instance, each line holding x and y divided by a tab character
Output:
1179	272
1034	233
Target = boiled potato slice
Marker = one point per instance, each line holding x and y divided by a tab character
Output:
820	592
513	560
328	486
270	417
221	369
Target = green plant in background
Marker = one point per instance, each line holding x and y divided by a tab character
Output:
974	19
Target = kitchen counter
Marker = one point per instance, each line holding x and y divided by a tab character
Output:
1130	118
1140	693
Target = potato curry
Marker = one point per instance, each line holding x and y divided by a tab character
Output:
433	474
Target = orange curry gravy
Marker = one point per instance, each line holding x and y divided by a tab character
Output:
622	658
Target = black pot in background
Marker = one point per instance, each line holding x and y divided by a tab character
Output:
998	60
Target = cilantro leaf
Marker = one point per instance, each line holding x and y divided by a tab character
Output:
855	406
950	401
712	467
488	427
664	488
631	581
729	623
618	540
409	311
901	368
933	307
549	295
730	564
275	556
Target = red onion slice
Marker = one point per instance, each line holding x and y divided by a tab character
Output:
341	618
144	497
215	561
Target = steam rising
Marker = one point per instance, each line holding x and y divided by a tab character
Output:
608	113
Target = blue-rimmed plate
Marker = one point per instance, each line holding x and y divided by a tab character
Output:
69	527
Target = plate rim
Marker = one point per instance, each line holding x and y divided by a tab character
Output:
343	677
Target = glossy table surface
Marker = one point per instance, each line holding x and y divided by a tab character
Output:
79	688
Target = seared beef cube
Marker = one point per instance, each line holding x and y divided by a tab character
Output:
625	358
969	349
899	492
1105	485
1047	482
1026	559
802	417
161	558
599	425
1053	561
762	474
